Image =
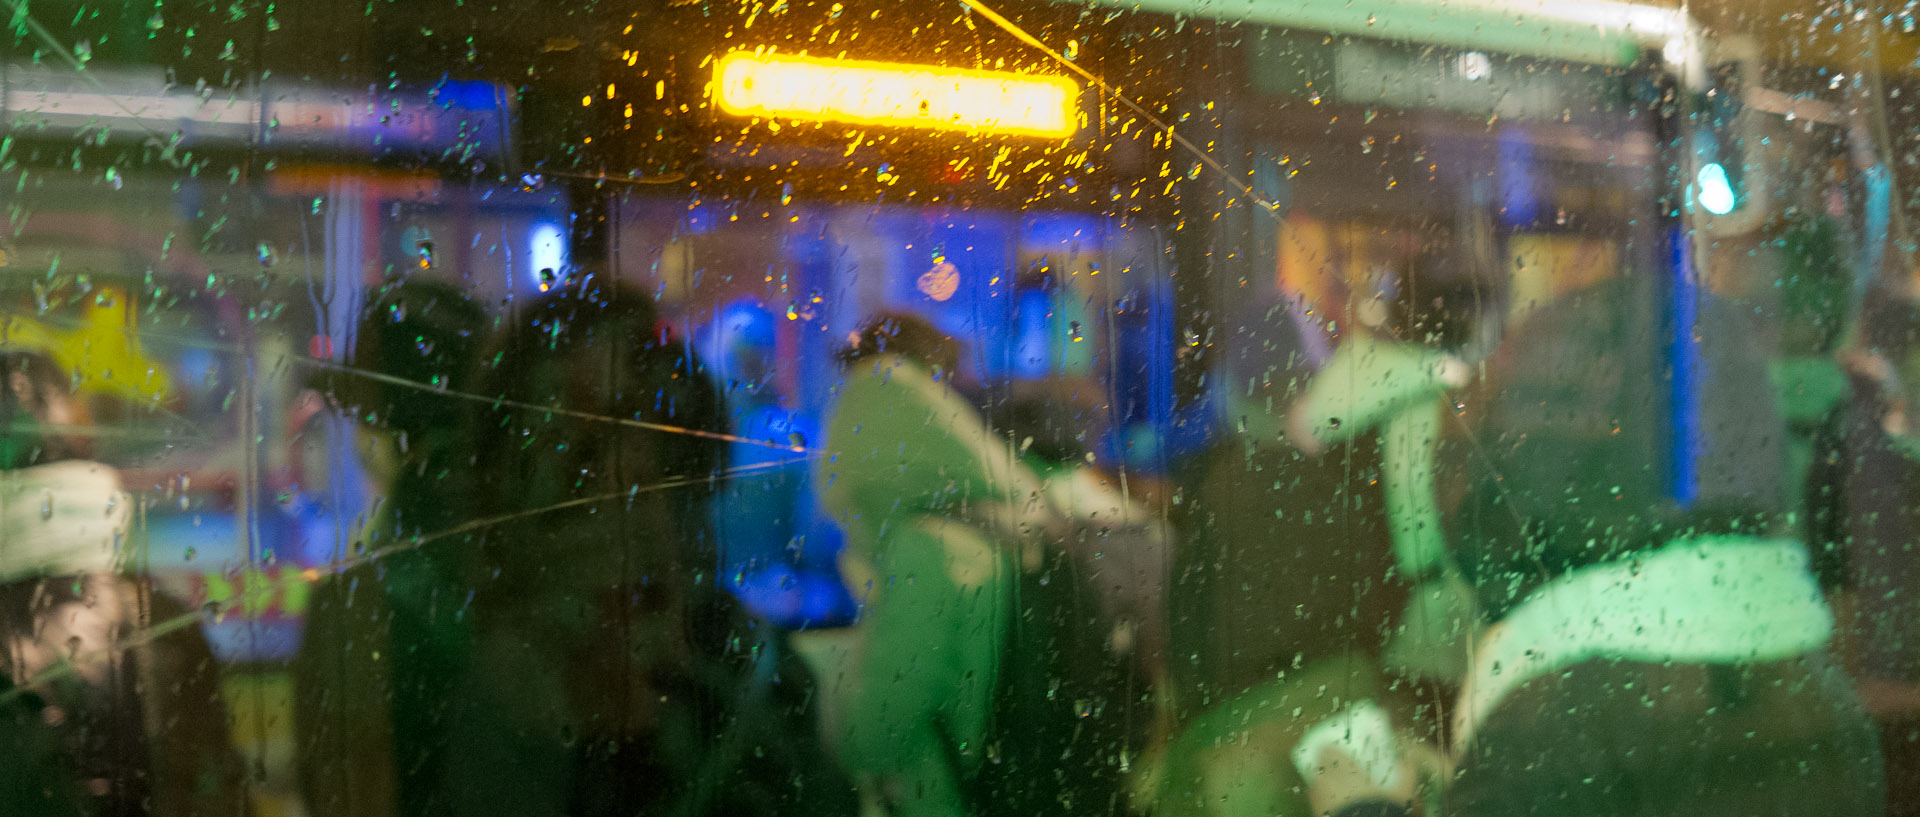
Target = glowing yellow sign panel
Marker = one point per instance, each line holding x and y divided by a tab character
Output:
896	94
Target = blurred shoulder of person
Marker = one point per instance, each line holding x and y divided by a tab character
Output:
611	673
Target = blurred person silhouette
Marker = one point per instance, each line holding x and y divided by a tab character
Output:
1414	343
612	674
1819	342
1844	319
1116	538
1842	373
1681	632
387	637
1261	529
1627	533
36	773
1874	520
777	551
983	685
1809	381
1290	578
119	674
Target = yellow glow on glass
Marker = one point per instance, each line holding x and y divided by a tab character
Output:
896	95
102	351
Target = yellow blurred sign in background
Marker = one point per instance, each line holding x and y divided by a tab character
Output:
896	95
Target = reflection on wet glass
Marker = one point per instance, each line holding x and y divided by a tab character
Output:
1026	407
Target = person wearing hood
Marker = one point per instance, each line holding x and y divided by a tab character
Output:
1627	530
957	701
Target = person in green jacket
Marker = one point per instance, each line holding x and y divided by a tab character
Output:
947	531
925	494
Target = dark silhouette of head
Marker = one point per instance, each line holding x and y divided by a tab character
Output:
598	367
418	344
906	335
427	333
1429	291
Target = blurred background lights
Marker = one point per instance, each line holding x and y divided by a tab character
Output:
1716	193
547	250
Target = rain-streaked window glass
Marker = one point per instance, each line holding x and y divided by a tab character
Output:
885	408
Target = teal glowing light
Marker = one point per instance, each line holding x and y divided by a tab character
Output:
1716	193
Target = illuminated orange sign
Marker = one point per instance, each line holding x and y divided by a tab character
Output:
896	95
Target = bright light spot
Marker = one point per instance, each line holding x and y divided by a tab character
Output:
1474	66
547	249
896	94
1681	53
1716	193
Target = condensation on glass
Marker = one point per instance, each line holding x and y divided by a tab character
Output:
875	407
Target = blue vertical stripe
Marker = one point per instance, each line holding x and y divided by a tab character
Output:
1684	354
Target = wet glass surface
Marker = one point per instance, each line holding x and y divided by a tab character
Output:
1184	407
